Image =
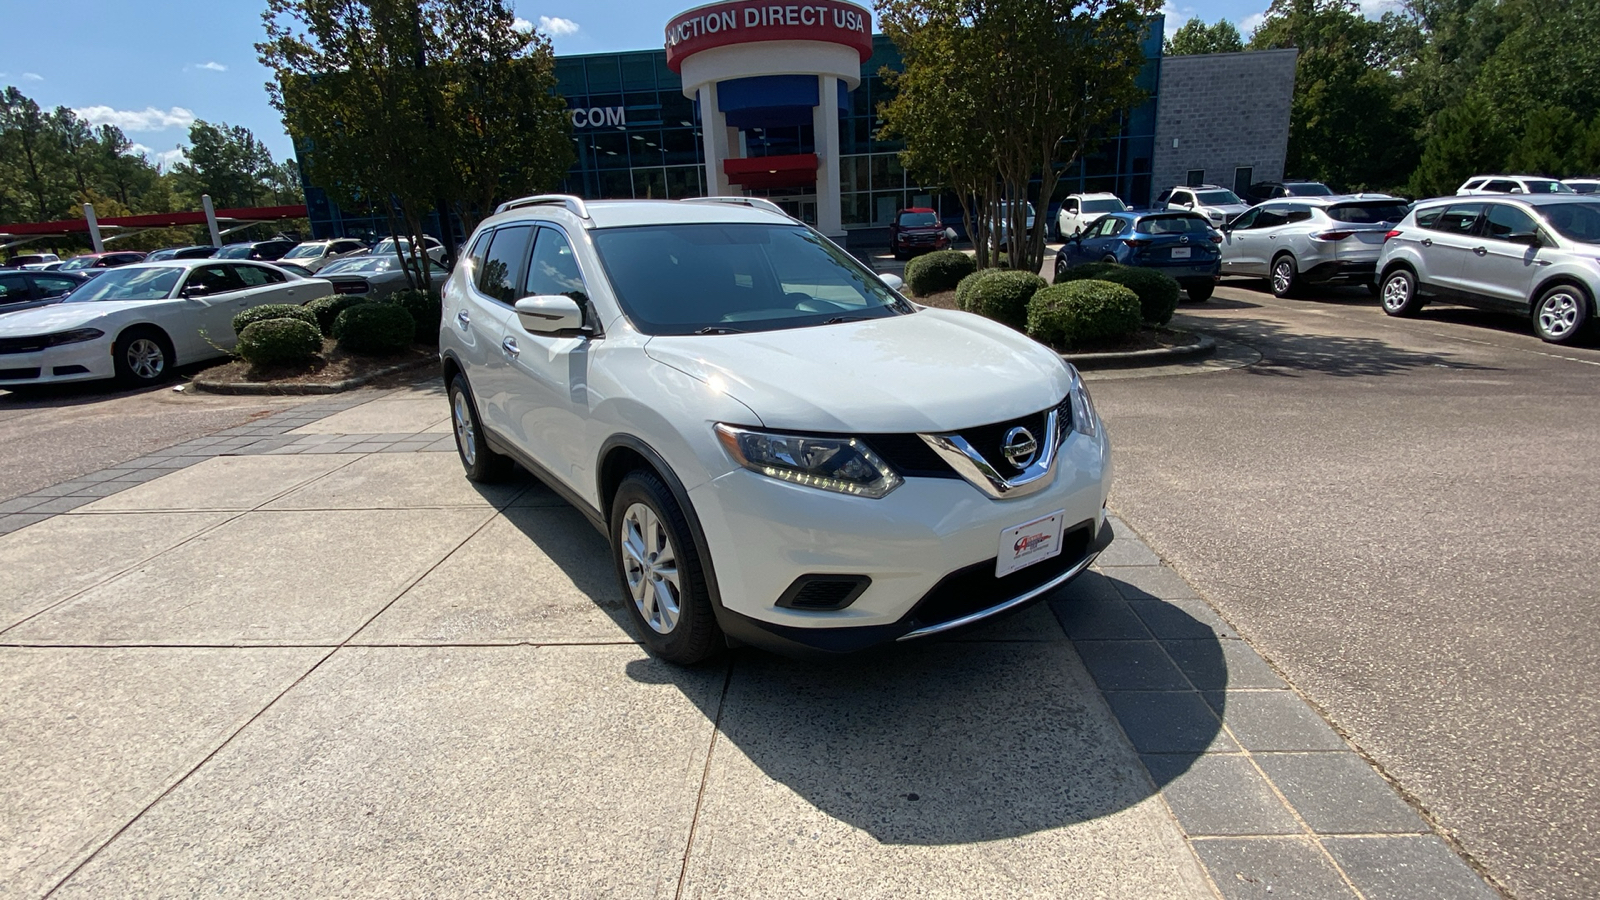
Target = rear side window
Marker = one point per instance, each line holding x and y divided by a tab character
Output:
1369	213
1502	186
1459	218
13	288
504	263
1429	218
256	276
1473	185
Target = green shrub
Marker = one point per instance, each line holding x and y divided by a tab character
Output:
327	309
1074	313
999	294
425	308
374	329
1158	292
271	342
274	311
938	271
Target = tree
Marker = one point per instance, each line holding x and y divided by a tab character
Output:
1467	140
1552	143
27	139
227	162
1041	79
1195	37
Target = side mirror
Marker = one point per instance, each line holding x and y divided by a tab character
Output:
895	282
196	290
549	313
1526	239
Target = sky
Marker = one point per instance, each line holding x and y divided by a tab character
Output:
153	68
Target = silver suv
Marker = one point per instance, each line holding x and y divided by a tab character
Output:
1218	204
1298	241
1538	255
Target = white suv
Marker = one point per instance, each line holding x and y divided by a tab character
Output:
1079	211
781	450
1511	184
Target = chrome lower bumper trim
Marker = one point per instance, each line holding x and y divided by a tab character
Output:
1013	603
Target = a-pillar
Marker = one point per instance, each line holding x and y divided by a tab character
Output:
715	131
825	127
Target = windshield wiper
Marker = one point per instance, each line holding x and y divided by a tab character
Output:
836	320
719	329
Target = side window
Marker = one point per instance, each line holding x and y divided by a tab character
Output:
1473	185
345	246
1504	221
507	251
1295	214
1072	206
1502	186
13	288
553	269
1272	217
52	286
213	280
1429	218
1165	197
1459	218
1182	197
252	276
1247	219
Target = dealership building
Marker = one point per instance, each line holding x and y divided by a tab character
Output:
778	101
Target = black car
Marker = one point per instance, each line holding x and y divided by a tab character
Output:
198	251
25	290
1262	191
262	250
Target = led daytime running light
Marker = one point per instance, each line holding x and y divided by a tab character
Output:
743	443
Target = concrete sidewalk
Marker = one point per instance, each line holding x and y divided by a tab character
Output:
306	657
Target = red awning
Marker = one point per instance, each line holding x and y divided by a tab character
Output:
158	220
794	170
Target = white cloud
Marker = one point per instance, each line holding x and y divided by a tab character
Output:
1374	9
522	24
1176	16
147	119
1250	23
208	66
555	26
163	158
32	76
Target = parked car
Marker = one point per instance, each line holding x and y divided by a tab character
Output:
1003	226
917	230
1583	185
1181	244
109	259
1216	204
136	322
313	255
375	276
1511	184
430	245
27	289
1535	254
198	251
1262	191
266	251
1081	210
30	260
1311	240
783	451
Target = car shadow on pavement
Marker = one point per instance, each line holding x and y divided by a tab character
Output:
79	393
1285	352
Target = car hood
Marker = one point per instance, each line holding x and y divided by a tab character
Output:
1228	210
921	229
59	317
932	371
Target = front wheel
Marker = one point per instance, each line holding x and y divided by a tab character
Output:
1399	294
1285	277
142	356
1560	313
1200	290
662	579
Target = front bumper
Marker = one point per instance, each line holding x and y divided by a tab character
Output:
86	361
929	548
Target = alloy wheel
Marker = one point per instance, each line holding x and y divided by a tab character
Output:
650	564
1396	292
466	434
1282	276
1559	314
146	359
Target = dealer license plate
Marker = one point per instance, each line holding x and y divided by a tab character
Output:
1180	252
1023	545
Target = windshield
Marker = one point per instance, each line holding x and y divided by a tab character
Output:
1222	197
688	279
365	265
1546	186
1575	221
78	262
1103	206
234	251
306	251
1173	225
918	220
153	283
1308	189
1368	213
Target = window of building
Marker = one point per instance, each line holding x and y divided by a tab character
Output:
1242	177
1195	178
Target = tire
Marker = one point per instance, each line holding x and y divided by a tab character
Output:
1285	277
1560	313
142	356
482	464
1061	268
1199	291
1110	259
670	604
1398	294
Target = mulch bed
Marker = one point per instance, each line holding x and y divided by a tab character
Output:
1146	338
330	366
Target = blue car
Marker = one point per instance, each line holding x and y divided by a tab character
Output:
1181	244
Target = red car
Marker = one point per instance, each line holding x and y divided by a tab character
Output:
107	260
917	230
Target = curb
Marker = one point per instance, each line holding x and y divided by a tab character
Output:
1159	356
331	387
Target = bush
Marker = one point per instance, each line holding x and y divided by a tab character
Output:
274	311
1074	313
1158	292
938	271
999	294
327	309
374	329
271	342
425	308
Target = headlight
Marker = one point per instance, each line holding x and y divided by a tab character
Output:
840	464
75	336
1084	419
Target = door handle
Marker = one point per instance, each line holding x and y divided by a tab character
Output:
1541	262
463	318
1481	251
509	345
1427	242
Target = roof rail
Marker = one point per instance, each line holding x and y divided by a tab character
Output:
760	203
573	204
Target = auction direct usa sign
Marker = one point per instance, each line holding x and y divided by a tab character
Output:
748	21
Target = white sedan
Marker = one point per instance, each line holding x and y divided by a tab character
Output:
136	322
